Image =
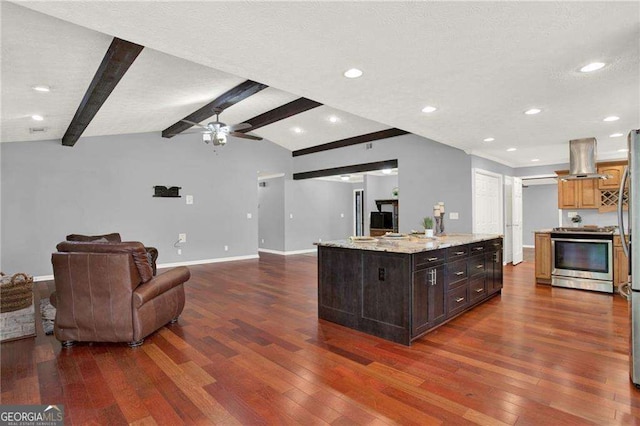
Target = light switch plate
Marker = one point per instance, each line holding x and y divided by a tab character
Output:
572	214
453	216
249	216
189	199
182	238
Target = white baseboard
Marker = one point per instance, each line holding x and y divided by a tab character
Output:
289	253
205	261
527	246
43	278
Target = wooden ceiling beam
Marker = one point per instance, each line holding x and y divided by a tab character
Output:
285	111
114	65
222	102
369	137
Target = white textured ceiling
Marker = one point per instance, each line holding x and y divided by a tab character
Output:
481	63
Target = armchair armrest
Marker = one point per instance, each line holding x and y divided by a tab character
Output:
160	284
152	253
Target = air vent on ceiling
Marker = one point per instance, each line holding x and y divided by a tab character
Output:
37	129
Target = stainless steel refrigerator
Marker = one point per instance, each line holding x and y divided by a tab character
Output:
632	289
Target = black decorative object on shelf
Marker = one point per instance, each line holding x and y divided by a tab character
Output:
163	191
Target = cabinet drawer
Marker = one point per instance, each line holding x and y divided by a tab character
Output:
476	248
493	245
456	252
456	273
477	289
428	259
457	300
477	265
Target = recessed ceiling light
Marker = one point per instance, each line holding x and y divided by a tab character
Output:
386	171
535	160
511	149
623	150
41	88
37	117
488	139
532	111
611	118
334	119
615	135
429	109
345	177
297	130
593	66
353	73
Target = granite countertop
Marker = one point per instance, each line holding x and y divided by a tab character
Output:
409	244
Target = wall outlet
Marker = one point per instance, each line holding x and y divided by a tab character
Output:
189	199
572	214
319	240
182	238
341	214
290	215
179	251
453	215
226	248
262	241
249	215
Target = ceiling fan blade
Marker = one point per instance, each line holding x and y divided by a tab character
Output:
239	126
195	124
245	136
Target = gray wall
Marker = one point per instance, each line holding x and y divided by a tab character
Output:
321	210
428	172
539	210
591	217
271	214
105	184
491	166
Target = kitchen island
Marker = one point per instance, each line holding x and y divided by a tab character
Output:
401	288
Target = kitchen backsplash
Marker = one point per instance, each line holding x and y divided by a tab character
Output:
590	217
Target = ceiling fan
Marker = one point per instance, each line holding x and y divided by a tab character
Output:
216	132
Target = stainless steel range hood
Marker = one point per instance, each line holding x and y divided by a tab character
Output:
582	160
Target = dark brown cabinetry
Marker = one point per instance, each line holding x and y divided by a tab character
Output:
400	297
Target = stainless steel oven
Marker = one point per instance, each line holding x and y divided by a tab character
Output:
582	260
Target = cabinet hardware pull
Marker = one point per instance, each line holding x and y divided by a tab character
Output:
496	257
459	299
432	277
479	290
458	253
431	259
479	266
479	248
459	273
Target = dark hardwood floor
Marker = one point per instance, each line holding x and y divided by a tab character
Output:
249	349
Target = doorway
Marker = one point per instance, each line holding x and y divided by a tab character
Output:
358	212
487	202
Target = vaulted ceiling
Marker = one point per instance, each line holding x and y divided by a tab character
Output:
481	64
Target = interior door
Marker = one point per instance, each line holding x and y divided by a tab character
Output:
508	219
516	220
487	202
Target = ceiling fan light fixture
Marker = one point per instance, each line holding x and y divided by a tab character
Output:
206	137
219	138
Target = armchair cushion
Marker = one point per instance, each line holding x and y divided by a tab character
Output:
136	249
160	284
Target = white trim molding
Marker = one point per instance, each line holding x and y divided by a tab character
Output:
43	278
205	261
288	253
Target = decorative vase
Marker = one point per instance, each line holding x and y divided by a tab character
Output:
428	233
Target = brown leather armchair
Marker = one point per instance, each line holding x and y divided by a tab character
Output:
106	292
114	237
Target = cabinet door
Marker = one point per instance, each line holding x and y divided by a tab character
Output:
543	256
567	194
494	271
428	299
614	181
589	195
620	266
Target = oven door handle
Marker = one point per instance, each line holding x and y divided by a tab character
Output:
584	240
623	181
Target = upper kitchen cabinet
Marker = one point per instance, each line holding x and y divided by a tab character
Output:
613	169
601	194
577	194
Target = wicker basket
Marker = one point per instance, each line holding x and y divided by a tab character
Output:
16	292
